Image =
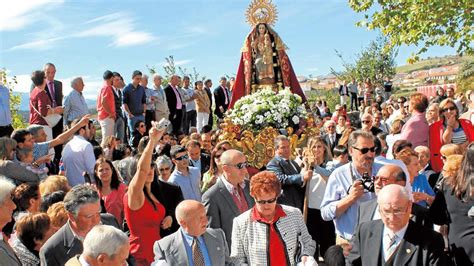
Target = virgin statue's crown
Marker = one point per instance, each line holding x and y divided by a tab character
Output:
261	11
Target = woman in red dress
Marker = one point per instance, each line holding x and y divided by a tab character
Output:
143	212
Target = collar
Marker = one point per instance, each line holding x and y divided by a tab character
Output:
229	186
400	233
279	213
189	239
83	261
74	233
1	236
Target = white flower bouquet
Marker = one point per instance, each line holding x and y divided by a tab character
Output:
266	108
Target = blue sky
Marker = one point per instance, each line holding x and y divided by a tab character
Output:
86	37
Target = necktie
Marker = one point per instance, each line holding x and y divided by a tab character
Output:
292	166
241	203
179	104
226	96
51	92
198	258
391	246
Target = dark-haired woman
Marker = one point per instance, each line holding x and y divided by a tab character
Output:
143	212
111	189
138	133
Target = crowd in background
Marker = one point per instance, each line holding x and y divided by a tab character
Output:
390	180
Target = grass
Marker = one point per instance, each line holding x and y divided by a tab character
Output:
433	63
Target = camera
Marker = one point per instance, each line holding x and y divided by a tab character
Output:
163	124
367	182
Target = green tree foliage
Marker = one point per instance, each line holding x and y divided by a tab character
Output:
423	23
15	100
170	69
465	78
374	62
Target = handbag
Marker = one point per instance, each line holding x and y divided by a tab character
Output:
51	119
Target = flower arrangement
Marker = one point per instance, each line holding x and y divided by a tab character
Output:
266	108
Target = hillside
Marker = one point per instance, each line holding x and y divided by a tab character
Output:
433	62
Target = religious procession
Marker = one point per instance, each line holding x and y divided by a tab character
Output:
168	169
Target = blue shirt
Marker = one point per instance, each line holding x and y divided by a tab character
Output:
39	150
420	184
5	113
189	184
75	106
188	242
135	98
338	185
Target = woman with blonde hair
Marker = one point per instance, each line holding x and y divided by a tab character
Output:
395	133
54	183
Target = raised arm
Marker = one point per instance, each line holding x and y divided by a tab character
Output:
61	139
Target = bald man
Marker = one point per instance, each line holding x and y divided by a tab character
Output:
391	174
193	243
368	124
230	196
395	239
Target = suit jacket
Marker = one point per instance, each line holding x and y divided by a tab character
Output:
419	246
170	196
291	182
58	92
7	255
62	246
420	215
328	141
219	98
171	100
205	163
221	208
171	250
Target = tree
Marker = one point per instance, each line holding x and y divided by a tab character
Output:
170	69
412	22
374	62
465	78
15	100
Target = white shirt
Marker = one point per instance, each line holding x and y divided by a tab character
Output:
386	238
83	261
229	186
78	157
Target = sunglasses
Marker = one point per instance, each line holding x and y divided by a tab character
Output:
366	121
266	201
164	169
142	126
452	108
405	106
239	165
365	150
184	157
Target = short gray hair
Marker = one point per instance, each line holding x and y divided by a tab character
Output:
78	196
6	188
164	160
155	76
104	239
74	81
279	139
359	134
34	129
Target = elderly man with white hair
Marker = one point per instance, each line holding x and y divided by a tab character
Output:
103	245
331	137
368	124
161	105
75	105
7	206
395	239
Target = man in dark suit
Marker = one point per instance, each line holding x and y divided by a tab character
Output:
197	158
207	88
194	242
54	90
222	98
289	173
331	137
395	239
391	174
175	104
83	210
230	196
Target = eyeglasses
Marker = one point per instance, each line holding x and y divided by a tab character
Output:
405	106
451	108
394	212
141	125
239	165
366	121
330	126
266	201
184	157
365	150
382	179
164	169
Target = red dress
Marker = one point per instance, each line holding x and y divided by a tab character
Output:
144	225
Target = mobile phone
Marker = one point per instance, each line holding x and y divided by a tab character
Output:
163	124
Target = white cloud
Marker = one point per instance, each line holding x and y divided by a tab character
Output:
176	63
41	44
312	69
17	14
120	27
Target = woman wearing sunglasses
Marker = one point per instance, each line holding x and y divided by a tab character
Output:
215	169
270	233
450	129
138	133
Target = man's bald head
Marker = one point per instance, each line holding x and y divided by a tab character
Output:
394	206
191	216
186	209
234	166
230	156
389	174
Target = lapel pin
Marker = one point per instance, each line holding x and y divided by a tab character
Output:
408	250
218	248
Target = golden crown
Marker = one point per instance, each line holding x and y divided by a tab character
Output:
261	11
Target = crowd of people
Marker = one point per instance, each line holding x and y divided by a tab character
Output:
389	184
